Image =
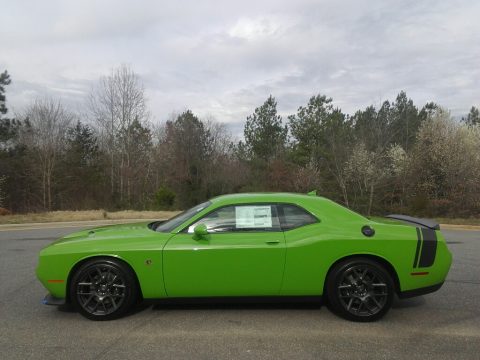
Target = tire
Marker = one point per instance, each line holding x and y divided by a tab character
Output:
360	289
103	289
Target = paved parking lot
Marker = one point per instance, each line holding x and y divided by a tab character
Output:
443	325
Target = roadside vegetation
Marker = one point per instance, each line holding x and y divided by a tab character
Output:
459	221
395	157
132	215
85	215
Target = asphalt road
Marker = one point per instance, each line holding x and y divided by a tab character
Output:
443	325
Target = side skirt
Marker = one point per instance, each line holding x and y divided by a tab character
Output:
236	300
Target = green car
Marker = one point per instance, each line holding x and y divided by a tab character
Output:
249	245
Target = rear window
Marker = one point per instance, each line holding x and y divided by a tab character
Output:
293	217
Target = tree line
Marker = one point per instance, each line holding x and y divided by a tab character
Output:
393	158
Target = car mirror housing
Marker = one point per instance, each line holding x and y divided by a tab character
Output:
200	230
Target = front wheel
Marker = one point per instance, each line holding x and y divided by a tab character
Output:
360	289
103	289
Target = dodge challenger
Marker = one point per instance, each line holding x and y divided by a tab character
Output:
256	245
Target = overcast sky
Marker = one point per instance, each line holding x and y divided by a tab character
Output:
223	58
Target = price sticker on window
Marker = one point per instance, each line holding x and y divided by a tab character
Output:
248	217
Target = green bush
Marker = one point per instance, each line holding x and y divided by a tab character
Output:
164	198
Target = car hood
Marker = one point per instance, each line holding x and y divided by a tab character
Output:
106	232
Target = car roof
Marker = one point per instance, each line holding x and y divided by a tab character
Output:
317	205
266	197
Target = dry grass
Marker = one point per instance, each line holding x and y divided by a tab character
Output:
60	216
443	221
459	224
459	227
458	221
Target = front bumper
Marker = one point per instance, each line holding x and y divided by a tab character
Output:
52	300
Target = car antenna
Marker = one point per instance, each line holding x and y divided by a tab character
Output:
312	193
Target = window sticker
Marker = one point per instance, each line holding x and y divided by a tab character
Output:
253	217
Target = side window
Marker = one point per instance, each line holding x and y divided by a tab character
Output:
220	220
293	217
252	217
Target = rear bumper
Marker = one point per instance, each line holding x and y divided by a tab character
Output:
420	291
52	300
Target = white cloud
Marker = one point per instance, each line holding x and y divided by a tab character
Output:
223	58
261	27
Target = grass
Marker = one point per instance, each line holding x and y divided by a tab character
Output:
59	216
459	221
445	223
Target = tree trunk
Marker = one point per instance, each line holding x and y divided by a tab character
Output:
344	193
44	188
49	189
122	172
370	201
112	174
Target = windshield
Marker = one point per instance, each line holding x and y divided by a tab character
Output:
171	224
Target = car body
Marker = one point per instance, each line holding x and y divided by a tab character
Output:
249	245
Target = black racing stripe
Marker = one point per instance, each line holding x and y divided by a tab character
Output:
419	241
429	248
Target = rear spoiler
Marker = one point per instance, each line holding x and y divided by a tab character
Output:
428	223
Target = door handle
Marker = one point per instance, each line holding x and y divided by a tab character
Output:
272	242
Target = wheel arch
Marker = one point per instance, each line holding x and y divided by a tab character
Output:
379	259
82	261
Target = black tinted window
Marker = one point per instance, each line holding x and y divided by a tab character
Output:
293	216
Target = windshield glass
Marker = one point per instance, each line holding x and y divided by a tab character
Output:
171	224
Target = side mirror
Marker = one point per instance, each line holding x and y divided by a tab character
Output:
200	230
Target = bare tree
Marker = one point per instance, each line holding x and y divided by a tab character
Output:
49	121
364	171
447	163
2	194
222	169
115	104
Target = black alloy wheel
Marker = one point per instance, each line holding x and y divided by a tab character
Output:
103	289
360	289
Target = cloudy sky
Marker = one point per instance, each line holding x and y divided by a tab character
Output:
223	58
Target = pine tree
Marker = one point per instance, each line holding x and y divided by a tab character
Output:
473	117
265	135
4	81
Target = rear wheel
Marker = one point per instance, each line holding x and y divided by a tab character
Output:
360	289
103	289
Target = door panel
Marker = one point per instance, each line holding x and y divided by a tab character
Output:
224	264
